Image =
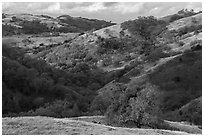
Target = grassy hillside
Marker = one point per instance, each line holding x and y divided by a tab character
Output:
15	24
29	84
54	126
138	73
84	23
164	81
179	15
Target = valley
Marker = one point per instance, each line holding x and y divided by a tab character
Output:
73	75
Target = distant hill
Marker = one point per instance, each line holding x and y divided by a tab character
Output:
84	24
36	24
186	22
180	14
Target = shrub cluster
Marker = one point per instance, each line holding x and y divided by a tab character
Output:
188	29
182	14
8	30
147	27
25	79
34	27
180	80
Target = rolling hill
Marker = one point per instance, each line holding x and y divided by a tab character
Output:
141	74
35	24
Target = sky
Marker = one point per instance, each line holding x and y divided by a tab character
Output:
109	11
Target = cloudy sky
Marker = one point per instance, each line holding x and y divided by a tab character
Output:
109	11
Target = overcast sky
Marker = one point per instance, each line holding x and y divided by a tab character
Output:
109	11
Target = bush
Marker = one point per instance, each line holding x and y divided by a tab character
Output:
188	29
34	27
175	17
101	50
135	106
179	80
191	112
182	14
194	20
180	43
8	30
157	54
106	62
116	63
111	43
196	42
25	79
58	108
147	27
196	45
105	97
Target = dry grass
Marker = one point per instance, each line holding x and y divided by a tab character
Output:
185	22
50	126
185	127
20	40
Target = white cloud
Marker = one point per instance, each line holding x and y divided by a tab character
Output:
91	7
55	7
125	8
119	12
95	7
196	6
6	5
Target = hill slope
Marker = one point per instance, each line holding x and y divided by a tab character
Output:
188	21
36	24
138	74
54	126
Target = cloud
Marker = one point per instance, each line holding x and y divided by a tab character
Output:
109	4
25	7
115	11
166	8
72	5
131	7
55	7
96	7
75	7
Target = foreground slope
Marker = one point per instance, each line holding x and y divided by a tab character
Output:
47	125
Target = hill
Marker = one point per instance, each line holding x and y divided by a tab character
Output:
84	24
167	78
186	22
36	24
54	126
142	73
180	14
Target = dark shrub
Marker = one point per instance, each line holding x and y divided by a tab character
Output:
175	17
8	30
58	108
157	54
188	29
34	27
180	43
179	80
147	27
